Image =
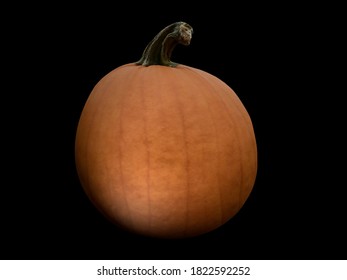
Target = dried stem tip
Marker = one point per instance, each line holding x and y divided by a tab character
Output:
159	50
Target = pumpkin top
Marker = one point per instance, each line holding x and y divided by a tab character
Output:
159	50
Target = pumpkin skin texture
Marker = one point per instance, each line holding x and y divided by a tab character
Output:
166	152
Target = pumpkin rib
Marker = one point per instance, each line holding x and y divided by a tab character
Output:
132	81
146	141
201	74
120	95
239	144
241	112
107	81
216	141
187	161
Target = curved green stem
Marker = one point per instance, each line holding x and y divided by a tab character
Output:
159	50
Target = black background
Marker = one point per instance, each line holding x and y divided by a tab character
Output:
273	57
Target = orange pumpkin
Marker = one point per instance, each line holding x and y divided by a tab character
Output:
163	149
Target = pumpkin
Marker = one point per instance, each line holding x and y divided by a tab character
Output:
163	149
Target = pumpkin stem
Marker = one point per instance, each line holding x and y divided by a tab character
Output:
159	50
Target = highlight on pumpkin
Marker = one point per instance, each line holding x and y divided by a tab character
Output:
164	149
